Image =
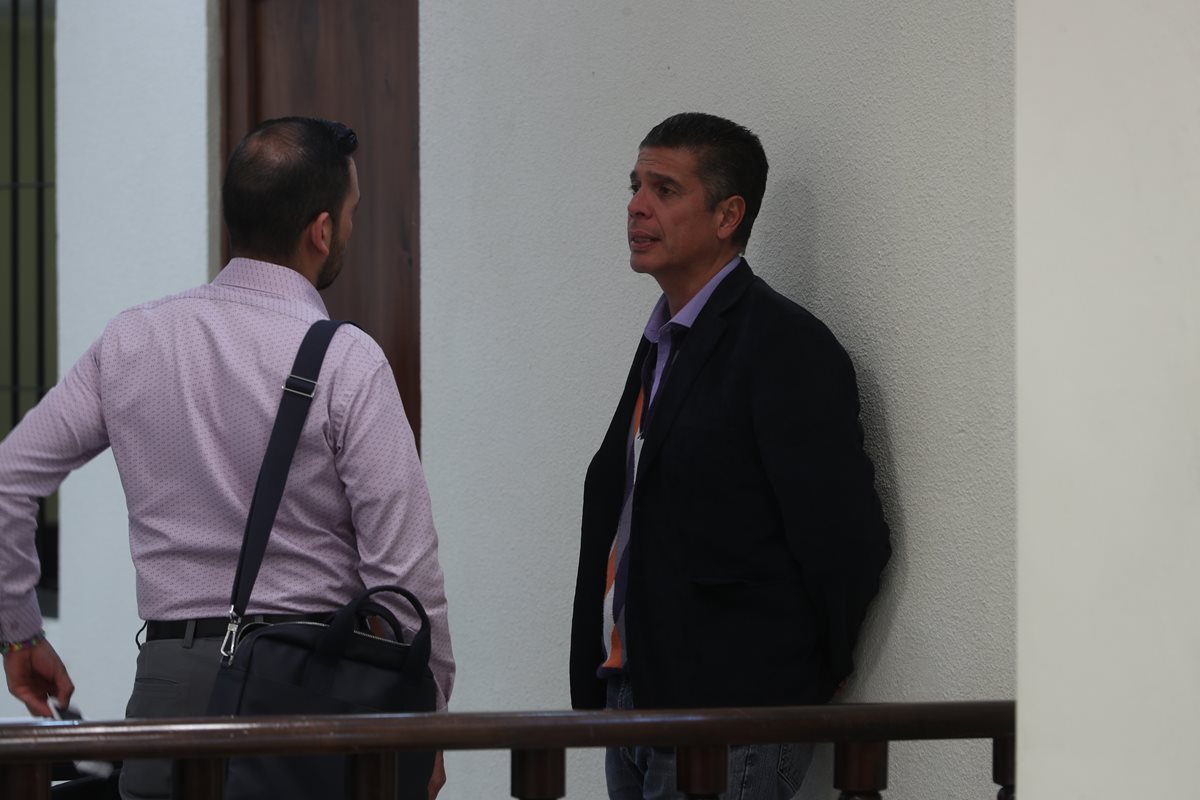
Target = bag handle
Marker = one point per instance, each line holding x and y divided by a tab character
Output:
336	638
298	392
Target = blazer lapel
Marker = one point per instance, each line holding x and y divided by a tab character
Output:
617	437
633	384
701	341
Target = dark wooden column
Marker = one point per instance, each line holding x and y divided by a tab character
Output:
27	781
354	61
860	769
539	774
702	772
1004	767
199	779
371	775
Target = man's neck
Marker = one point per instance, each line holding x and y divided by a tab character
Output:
308	272
680	289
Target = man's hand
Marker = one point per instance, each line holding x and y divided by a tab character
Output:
438	779
35	673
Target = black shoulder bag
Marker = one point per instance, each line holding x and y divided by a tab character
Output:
313	667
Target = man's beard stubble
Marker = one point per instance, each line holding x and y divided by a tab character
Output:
332	266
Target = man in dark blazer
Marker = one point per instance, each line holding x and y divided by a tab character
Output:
732	536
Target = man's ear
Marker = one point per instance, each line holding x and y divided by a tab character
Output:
319	233
730	213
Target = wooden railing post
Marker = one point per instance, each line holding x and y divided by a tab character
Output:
31	780
371	775
860	770
702	771
199	778
539	774
1004	766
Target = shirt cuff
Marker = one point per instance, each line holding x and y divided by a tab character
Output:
21	621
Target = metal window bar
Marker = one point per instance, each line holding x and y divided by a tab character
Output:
20	325
14	213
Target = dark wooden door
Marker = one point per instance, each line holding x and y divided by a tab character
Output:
354	61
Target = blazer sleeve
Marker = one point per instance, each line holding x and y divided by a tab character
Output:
805	411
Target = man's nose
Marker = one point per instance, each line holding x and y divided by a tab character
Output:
637	205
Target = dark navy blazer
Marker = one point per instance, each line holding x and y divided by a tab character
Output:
757	539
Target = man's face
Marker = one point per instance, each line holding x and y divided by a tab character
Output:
341	233
671	229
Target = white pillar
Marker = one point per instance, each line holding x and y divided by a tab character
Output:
1108	410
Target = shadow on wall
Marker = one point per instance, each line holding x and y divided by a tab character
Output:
786	233
789	262
882	612
819	780
787	253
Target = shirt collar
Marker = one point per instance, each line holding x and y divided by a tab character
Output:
272	279
659	317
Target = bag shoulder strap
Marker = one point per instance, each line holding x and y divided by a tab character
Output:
298	392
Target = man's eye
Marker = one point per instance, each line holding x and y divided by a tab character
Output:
633	188
665	190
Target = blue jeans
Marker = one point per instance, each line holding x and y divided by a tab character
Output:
756	771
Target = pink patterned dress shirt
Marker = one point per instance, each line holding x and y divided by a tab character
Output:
184	390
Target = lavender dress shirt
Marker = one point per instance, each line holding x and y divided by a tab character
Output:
184	390
658	327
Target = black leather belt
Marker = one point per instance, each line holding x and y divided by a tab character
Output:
215	627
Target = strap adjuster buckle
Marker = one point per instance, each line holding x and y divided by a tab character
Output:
301	386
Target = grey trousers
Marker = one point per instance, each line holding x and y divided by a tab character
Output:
174	679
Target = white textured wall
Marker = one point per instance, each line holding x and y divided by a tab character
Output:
1108	354
135	140
888	213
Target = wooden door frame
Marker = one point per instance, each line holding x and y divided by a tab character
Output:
398	333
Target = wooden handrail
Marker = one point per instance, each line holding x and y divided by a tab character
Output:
209	737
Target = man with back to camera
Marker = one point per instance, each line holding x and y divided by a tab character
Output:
185	390
732	537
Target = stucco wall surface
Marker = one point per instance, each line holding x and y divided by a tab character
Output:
888	213
1108	354
133	201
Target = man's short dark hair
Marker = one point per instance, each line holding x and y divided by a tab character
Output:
280	178
730	160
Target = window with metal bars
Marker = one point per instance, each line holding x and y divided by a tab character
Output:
28	318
